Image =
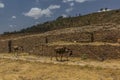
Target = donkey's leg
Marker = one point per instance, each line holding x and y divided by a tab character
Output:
16	53
61	57
67	57
51	56
56	56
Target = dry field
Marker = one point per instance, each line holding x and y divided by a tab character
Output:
11	69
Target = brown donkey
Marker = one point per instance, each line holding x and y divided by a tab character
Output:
17	49
61	51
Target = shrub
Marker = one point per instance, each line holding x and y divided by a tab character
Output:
84	56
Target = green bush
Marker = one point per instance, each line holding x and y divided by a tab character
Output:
84	56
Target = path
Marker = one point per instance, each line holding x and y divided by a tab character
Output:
112	64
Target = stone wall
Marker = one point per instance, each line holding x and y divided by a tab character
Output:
71	37
4	46
37	44
107	36
91	51
30	42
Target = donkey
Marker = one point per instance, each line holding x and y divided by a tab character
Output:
61	51
17	49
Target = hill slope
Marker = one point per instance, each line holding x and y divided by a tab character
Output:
78	21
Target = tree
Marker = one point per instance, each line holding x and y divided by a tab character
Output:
106	9
60	17
101	9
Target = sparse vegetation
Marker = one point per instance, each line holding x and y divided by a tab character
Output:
78	21
22	70
84	56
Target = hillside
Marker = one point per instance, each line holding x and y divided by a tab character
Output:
103	36
108	29
78	21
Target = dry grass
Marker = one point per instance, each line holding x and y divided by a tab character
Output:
23	70
78	43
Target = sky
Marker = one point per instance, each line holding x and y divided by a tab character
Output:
19	14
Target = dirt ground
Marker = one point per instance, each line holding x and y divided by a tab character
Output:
17	69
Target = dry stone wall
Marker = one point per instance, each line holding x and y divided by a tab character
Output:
91	51
4	46
38	44
107	36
